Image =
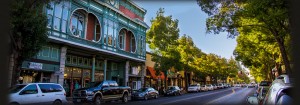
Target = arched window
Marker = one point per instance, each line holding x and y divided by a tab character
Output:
77	24
140	45
121	38
133	44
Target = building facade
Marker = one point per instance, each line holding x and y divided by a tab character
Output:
153	79
90	41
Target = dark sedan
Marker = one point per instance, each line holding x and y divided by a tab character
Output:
145	93
173	90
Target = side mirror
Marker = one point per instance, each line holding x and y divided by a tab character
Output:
252	100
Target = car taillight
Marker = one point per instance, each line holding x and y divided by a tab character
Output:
65	94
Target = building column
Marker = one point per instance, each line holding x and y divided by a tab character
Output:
143	75
60	76
126	73
105	67
93	68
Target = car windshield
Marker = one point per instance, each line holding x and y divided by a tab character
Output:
171	88
16	88
264	83
94	84
142	89
193	85
203	86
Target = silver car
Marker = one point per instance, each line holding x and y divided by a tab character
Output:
279	93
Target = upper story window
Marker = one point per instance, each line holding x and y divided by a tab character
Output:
57	15
110	32
77	24
140	45
121	38
133	44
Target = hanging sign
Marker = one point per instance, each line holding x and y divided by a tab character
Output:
34	65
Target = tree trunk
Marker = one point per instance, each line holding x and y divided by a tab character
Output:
11	70
16	68
284	56
186	80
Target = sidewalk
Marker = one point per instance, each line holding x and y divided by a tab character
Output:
70	100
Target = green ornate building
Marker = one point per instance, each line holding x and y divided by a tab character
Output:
90	41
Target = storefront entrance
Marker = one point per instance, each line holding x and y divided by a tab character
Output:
75	78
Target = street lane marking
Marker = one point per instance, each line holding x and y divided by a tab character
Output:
215	100
193	97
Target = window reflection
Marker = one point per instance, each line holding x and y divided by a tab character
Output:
77	24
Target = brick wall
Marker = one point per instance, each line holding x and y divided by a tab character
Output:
129	13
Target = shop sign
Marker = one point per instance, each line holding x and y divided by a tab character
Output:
34	65
58	73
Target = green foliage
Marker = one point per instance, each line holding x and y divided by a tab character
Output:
258	52
162	39
28	27
28	31
266	17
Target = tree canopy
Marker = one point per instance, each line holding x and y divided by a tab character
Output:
28	31
267	17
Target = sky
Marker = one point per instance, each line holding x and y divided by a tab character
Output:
192	22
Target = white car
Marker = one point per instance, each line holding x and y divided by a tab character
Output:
215	86
194	88
209	87
37	93
220	86
203	88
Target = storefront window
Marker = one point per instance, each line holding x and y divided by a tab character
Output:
99	76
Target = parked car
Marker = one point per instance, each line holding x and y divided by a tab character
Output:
145	93
215	86
102	91
209	87
173	90
194	88
237	85
203	88
278	94
220	86
265	83
251	85
261	93
37	93
225	85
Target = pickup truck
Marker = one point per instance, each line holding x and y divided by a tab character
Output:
101	92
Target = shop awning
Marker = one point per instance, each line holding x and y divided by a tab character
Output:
152	73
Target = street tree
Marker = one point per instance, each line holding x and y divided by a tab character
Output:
162	39
28	32
266	16
189	52
259	53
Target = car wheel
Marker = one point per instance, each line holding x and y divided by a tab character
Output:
125	98
57	102
146	97
98	100
156	96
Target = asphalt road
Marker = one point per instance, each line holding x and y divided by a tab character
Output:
227	96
